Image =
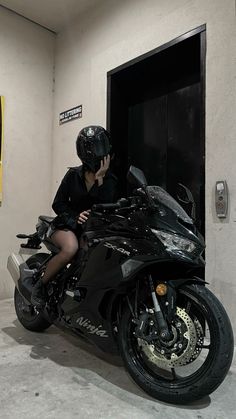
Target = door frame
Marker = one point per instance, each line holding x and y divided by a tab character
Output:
199	30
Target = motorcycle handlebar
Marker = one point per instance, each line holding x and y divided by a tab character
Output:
101	207
113	206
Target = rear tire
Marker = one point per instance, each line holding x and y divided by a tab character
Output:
30	317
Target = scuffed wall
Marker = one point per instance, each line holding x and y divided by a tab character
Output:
26	82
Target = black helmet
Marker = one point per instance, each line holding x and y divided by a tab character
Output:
92	145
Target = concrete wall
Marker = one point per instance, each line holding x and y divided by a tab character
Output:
110	35
118	31
26	81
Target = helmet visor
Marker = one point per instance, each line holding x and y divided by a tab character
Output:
91	149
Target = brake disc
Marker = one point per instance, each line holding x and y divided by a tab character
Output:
193	338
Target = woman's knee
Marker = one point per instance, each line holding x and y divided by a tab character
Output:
69	249
68	243
70	246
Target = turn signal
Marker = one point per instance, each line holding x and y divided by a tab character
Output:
161	289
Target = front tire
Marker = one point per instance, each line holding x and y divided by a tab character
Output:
30	317
165	378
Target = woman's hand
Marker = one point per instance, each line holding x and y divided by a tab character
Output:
83	216
105	163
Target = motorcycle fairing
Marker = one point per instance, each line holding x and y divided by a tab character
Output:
91	318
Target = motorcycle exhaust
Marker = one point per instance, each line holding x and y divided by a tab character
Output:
13	265
21	274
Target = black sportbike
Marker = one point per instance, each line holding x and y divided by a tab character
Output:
135	289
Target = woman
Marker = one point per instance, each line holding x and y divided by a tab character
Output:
80	188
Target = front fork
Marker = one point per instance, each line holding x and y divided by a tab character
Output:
146	318
160	320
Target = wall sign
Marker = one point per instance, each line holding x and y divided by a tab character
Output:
70	114
1	143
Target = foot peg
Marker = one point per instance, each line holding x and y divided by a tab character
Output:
76	295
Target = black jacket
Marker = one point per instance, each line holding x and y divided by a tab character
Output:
72	196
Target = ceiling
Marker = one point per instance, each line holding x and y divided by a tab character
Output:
52	14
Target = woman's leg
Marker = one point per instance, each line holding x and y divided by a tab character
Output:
67	242
68	245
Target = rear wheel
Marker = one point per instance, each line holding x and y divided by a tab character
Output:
196	359
30	317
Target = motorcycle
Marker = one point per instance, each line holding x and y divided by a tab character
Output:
135	288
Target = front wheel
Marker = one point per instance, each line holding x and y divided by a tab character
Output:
196	359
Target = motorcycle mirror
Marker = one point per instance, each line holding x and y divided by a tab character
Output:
184	194
136	177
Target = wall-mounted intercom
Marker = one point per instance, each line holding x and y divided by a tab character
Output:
221	199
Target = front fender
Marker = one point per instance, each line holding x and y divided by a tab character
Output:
176	283
172	290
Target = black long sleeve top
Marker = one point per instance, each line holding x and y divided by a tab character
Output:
72	196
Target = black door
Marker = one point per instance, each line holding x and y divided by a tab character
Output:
156	118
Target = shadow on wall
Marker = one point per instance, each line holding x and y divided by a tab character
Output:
87	362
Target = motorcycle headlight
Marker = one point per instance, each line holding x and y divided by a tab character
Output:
174	243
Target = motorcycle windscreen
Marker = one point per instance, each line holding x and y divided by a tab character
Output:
159	195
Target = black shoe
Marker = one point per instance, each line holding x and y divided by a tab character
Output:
38	295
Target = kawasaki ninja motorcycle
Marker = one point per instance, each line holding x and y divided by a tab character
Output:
135	289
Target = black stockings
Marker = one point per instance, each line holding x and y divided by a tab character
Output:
68	245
